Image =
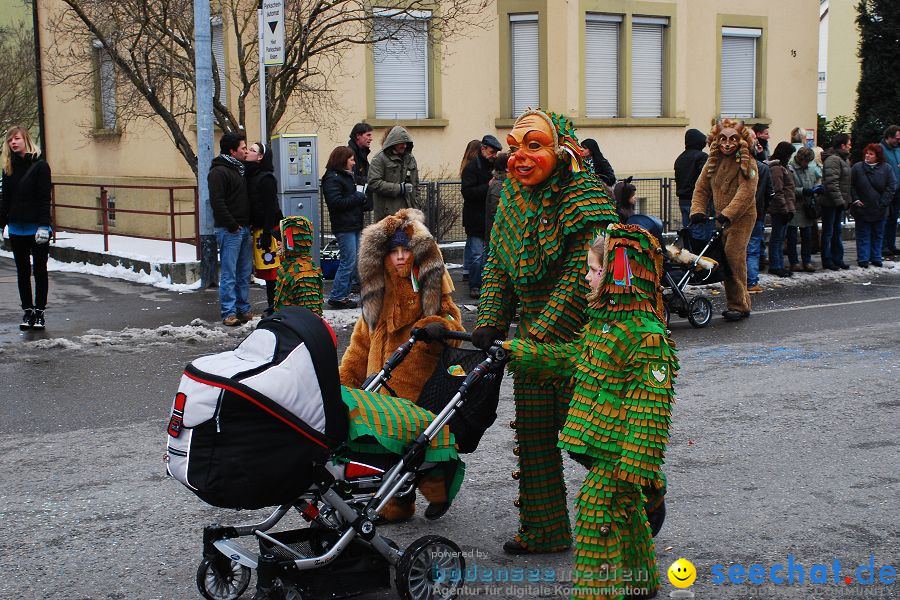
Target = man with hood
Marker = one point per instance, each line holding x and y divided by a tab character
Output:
687	169
550	208
394	175
231	213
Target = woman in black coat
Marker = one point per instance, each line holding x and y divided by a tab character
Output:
871	191
265	216
25	208
598	162
346	205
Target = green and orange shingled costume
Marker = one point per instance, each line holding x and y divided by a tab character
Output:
536	261
623	365
299	279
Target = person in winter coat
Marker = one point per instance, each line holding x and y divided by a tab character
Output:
495	186
265	217
836	179
597	163
360	142
872	188
25	210
730	178
687	169
781	209
404	285
890	145
756	243
346	206
394	175
807	184
475	178
231	213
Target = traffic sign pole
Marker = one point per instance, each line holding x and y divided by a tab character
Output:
263	104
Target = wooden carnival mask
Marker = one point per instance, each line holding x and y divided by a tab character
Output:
729	140
532	147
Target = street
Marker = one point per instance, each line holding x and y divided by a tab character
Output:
784	443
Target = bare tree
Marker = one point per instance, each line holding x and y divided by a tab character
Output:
151	44
18	100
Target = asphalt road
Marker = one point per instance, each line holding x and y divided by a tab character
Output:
784	442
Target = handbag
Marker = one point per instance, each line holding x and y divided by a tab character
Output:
810	207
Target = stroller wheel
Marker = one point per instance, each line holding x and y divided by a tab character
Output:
700	311
431	568
666	313
222	580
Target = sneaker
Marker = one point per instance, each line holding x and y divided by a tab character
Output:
864	264
231	321
796	268
247	316
877	263
830	267
754	289
27	320
809	268
843	266
38	319
342	304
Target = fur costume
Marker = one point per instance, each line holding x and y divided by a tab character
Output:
536	261
685	258
623	365
731	179
391	308
299	279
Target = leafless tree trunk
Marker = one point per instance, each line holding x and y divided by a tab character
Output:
151	45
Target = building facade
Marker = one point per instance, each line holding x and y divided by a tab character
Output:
838	58
632	74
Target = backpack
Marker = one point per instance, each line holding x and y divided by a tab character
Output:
249	426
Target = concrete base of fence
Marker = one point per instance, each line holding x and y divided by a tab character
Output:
182	272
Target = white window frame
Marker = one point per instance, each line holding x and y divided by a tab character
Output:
738	71
525	71
602	66
392	100
106	88
648	70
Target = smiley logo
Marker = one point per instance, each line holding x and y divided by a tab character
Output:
682	573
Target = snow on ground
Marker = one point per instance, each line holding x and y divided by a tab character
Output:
128	247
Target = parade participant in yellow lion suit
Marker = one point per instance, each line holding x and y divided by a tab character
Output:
549	209
730	175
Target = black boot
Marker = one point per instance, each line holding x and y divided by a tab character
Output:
27	320
38	321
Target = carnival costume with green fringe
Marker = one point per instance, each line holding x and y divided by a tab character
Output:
299	279
623	365
536	259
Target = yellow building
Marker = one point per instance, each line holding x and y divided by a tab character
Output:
632	74
838	58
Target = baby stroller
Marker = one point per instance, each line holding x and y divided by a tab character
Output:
265	425
676	276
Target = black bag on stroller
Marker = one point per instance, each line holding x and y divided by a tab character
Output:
248	426
469	425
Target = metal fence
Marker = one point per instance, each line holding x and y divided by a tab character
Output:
442	201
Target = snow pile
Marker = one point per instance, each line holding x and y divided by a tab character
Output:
128	247
854	274
341	319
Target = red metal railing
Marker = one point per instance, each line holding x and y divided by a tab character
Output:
104	213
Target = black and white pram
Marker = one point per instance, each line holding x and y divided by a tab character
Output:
266	425
679	274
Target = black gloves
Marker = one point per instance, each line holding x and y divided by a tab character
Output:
483	337
725	221
698	218
807	192
433	332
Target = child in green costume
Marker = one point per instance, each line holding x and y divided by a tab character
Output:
622	365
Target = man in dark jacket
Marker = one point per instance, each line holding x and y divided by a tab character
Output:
231	212
687	169
891	146
360	141
765	190
475	179
836	179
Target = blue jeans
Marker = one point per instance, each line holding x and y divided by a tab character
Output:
685	214
805	244
890	225
869	236
348	247
235	265
475	248
757	238
832	244
776	241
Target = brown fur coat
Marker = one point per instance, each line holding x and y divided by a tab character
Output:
391	309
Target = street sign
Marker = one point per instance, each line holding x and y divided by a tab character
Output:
273	32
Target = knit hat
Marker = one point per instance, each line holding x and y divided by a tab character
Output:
400	238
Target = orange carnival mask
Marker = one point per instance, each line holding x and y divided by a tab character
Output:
533	150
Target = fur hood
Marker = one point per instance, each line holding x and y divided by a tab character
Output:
374	247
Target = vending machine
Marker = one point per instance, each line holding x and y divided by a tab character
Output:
296	160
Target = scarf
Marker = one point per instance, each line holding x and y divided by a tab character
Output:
237	164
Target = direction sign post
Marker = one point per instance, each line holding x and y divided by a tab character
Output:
270	23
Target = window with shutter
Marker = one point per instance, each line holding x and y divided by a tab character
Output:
738	76
601	56
647	66
525	62
401	67
106	88
218	49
